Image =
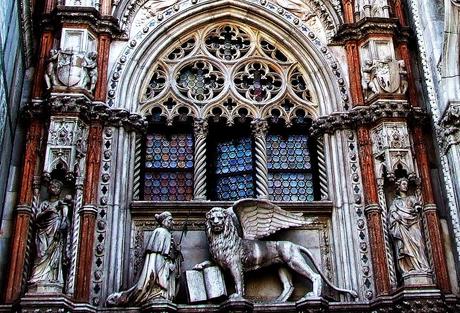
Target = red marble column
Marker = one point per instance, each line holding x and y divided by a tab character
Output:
23	221
373	213
46	43
398	9
348	8
430	214
354	71
102	66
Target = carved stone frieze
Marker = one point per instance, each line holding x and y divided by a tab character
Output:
66	147
365	115
372	8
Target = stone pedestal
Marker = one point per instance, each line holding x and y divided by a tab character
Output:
45	287
159	306
237	306
418	279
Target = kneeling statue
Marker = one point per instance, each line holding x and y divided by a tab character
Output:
159	276
232	236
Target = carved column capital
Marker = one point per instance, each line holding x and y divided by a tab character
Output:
259	127
200	127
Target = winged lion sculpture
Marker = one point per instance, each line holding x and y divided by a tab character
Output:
233	237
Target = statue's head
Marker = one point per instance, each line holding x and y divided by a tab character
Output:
164	219
216	219
368	62
402	184
55	187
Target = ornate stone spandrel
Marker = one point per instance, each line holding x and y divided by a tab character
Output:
405	228
158	279
66	147
51	224
71	70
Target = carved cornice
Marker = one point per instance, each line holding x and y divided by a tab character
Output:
367	115
371	26
89	16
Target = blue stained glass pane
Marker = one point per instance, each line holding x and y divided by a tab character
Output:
167	150
288	152
290	186
232	153
234	187
168	186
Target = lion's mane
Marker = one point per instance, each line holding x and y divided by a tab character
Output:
226	245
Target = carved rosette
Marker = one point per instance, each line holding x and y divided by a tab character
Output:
66	147
201	132
259	130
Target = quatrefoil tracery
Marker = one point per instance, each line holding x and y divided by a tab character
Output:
226	61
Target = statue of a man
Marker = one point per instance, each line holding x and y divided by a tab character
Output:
51	223
50	73
159	276
406	231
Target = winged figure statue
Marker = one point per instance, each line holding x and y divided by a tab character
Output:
233	237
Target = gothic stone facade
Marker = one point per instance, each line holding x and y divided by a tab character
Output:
344	113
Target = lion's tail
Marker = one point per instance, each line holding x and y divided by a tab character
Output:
353	293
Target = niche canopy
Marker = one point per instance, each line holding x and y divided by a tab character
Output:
227	69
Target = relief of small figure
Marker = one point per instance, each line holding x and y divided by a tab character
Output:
159	276
51	225
406	231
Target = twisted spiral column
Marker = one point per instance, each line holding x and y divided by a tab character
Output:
137	167
323	184
199	171
259	131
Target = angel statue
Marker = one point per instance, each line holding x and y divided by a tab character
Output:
160	274
233	235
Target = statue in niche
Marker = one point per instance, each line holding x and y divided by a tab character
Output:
406	231
232	235
51	225
161	270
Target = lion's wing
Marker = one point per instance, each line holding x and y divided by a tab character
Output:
261	218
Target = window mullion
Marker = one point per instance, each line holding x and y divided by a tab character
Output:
259	131
201	132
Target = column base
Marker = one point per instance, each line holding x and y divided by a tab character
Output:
45	287
240	305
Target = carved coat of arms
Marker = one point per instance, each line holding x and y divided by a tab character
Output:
387	74
70	70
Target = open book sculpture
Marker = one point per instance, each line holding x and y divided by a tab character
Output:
233	235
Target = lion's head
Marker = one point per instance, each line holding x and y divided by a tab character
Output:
216	220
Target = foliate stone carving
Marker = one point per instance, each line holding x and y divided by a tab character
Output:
161	270
68	69
406	232
66	147
451	125
387	76
51	226
392	150
238	255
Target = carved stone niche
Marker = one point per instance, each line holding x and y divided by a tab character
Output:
66	148
392	151
262	285
382	74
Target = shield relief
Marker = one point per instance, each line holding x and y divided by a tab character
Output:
70	68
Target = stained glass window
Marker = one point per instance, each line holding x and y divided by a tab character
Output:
168	174
290	175
233	169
